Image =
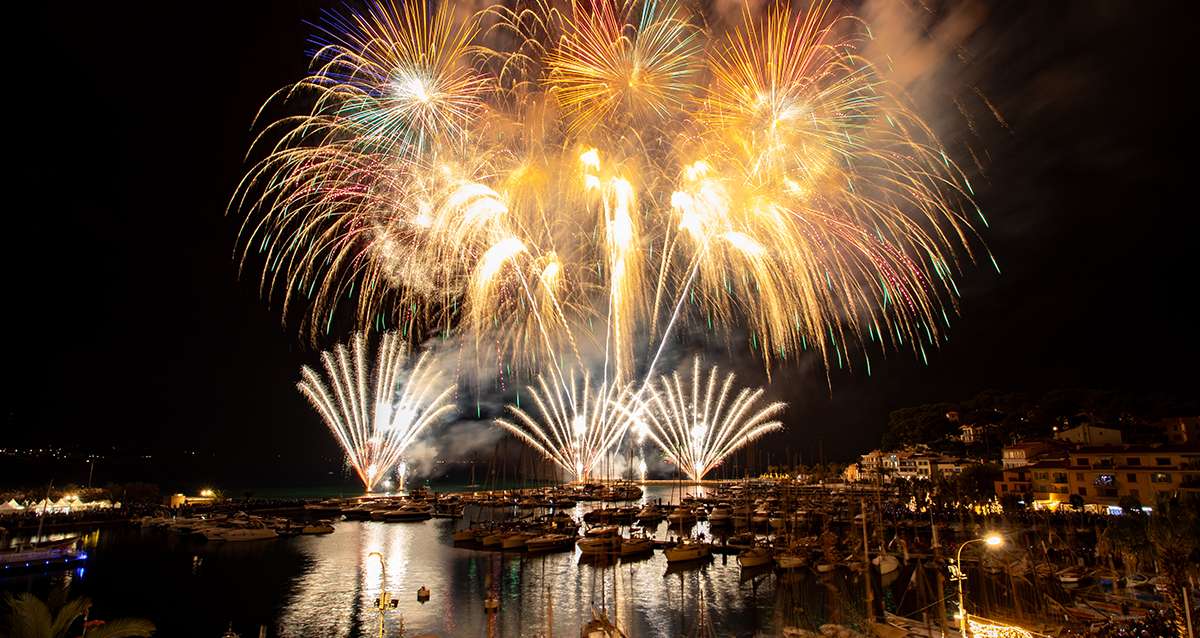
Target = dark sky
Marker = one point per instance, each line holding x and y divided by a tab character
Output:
126	323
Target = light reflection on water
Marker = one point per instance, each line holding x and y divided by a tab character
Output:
558	590
327	586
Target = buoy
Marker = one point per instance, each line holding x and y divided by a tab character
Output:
423	594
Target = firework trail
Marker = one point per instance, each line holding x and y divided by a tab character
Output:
698	423
579	425
558	180
375	413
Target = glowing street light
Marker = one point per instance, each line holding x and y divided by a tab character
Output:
991	540
384	602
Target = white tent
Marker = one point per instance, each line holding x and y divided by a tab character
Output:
11	506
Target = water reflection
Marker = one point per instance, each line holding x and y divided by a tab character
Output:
327	586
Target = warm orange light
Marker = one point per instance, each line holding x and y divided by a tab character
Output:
982	629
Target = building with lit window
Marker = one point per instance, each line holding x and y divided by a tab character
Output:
1028	452
1088	434
1104	475
1051	487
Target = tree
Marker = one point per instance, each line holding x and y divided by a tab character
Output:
1130	504
1174	532
920	424
977	482
1011	503
1076	501
30	617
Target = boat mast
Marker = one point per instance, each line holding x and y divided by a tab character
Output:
867	558
42	518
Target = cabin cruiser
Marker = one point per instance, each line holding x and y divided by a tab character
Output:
471	534
410	512
789	559
754	557
687	550
761	515
599	544
547	542
682	515
624	514
649	514
493	538
603	531
637	545
252	530
722	514
600	540
317	527
744	540
515	540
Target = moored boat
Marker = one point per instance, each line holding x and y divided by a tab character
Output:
754	557
548	542
687	550
636	546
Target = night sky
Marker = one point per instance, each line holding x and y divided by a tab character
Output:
126	324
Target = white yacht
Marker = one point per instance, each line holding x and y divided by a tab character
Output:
637	545
686	550
754	557
252	531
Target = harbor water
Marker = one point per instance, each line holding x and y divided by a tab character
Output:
327	586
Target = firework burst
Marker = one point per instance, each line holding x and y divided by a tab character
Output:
375	413
699	422
556	180
579	423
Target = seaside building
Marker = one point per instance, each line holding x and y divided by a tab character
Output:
916	466
915	463
1051	486
877	465
1025	453
1015	481
1178	430
1104	475
1088	434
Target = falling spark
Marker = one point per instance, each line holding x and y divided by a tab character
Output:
579	424
522	175
699	422
375	413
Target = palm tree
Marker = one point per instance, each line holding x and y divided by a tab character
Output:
30	617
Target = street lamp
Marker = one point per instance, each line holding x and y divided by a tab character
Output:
385	600
991	540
